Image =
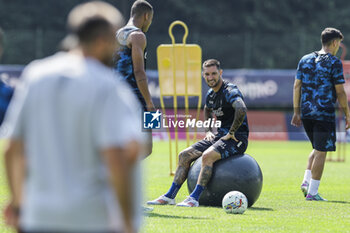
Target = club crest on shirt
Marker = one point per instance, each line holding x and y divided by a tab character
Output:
218	112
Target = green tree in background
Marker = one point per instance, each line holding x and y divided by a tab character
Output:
258	34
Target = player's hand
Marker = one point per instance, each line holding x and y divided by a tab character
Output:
150	107
129	229
11	215
296	120
209	136
229	136
347	122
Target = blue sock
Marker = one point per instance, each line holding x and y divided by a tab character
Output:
197	192
173	190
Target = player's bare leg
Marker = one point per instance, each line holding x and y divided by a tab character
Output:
208	159
307	175
186	157
316	171
318	164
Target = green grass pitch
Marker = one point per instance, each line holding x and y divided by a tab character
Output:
280	208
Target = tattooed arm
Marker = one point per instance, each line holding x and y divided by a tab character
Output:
240	113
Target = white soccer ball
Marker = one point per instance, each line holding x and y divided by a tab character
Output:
234	202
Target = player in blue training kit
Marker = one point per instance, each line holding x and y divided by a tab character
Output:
124	64
318	84
131	57
226	102
131	60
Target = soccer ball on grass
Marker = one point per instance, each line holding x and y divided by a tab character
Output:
234	202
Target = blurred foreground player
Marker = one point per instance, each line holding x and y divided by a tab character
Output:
226	102
318	84
73	142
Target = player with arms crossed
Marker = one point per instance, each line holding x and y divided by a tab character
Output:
131	57
318	84
226	102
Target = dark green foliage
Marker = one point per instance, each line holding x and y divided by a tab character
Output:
241	33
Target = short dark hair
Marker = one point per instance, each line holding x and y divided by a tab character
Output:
329	34
211	62
91	20
140	7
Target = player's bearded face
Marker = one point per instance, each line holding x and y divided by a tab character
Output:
212	76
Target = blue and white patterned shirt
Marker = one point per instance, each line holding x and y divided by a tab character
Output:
319	73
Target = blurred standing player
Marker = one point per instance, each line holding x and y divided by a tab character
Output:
131	57
6	90
226	102
318	84
71	152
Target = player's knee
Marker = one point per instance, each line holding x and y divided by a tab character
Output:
184	157
207	159
320	154
312	155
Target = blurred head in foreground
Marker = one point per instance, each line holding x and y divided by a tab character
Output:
92	28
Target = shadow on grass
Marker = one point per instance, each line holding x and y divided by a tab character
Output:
260	209
339	202
152	215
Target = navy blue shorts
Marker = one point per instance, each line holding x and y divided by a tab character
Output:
322	134
224	147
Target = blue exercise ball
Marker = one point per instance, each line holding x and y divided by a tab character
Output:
235	173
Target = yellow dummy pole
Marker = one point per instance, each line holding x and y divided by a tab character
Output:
178	22
179	68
